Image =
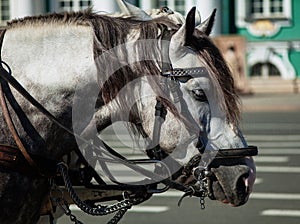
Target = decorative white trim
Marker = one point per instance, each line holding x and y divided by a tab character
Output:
262	27
240	13
276	53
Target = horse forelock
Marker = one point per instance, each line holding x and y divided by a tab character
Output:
220	75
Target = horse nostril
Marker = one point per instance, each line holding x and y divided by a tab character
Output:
242	188
230	184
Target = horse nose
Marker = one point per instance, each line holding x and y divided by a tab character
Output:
230	184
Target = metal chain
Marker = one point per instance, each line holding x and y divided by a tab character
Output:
202	202
100	210
62	203
202	183
64	206
119	207
118	216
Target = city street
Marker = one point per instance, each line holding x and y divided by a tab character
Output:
274	126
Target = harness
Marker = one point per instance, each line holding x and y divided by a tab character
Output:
128	195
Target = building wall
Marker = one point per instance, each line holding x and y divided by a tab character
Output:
290	32
278	43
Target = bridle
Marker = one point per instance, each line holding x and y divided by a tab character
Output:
200	172
175	76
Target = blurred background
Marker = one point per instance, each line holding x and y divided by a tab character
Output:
260	39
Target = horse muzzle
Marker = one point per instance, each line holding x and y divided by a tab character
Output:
229	184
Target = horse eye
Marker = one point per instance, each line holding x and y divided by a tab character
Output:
199	95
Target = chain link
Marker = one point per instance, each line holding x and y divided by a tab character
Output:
120	207
202	202
62	203
202	184
64	206
202	190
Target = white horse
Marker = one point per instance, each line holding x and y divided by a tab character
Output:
64	60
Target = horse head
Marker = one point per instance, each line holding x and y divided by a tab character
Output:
209	110
213	104
203	110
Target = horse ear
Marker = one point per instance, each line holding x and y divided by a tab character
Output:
207	25
185	32
190	23
198	18
131	10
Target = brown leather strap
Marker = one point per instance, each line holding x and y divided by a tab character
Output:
8	155
12	159
13	130
8	118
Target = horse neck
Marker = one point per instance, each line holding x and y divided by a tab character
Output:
52	63
60	56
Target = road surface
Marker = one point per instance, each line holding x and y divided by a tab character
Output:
276	196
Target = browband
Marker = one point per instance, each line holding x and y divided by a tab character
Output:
185	74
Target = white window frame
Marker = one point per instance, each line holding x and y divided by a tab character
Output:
243	13
266	11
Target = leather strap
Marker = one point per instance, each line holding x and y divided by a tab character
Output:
13	130
8	118
12	159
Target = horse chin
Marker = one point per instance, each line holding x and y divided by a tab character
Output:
228	185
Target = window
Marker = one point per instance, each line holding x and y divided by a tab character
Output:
66	5
263	17
74	5
5	14
264	70
276	7
267	9
84	4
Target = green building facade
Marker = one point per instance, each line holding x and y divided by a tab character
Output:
272	30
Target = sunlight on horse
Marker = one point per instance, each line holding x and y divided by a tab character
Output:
65	60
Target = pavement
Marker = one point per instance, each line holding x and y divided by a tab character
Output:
285	102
